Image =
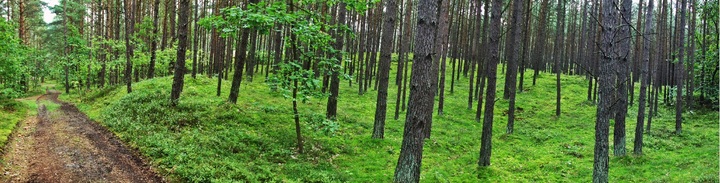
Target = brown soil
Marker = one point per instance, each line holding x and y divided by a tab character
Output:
65	146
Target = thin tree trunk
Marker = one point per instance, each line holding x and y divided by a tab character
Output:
153	44
384	69
196	38
558	53
679	74
540	41
645	79
240	58
129	29
179	77
513	59
492	49
331	111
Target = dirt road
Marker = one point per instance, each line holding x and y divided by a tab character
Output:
65	146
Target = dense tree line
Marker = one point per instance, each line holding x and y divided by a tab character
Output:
308	49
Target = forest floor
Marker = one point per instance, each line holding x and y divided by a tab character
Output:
206	139
60	144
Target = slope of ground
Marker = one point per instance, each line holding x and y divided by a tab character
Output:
206	139
61	144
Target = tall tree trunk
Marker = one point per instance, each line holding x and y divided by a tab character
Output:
493	49
606	81
513	59
129	30
526	44
331	110
622	67
483	59
558	56
420	107
404	48
645	79
473	59
178	79
540	40
240	58
384	69
21	22
691	55
153	42
679	74
637	53
106	48
250	58
442	43
440	35
172	13
196	37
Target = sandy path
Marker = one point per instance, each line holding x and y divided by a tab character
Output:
65	146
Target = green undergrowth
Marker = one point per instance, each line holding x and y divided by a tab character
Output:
11	112
205	139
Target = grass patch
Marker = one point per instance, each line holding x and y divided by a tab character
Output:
206	139
11	112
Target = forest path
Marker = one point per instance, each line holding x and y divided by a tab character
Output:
65	146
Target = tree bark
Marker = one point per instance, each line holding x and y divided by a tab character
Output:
622	67
558	56
240	58
404	48
178	79
196	38
513	59
153	42
645	79
384	68
540	41
444	26
492	49
679	74
331	111
606	82
421	95
129	29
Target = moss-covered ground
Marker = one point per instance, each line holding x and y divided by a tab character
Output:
205	139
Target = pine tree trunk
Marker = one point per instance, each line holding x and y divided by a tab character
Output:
513	59
493	50
540	41
384	69
179	77
444	26
645	79
622	67
606	82
679	74
240	59
421	95
129	29
404	48
331	111
558	53
153	44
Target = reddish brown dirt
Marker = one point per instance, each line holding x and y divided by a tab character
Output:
65	146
